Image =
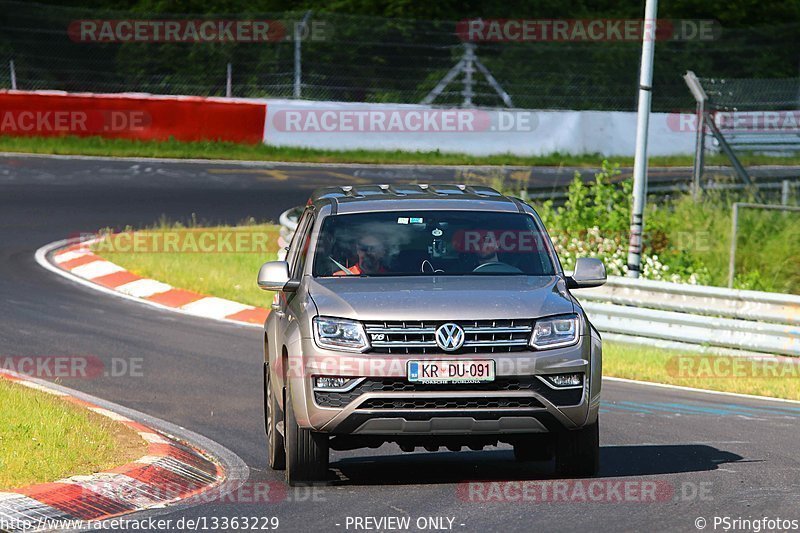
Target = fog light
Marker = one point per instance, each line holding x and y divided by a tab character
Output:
565	380
334	383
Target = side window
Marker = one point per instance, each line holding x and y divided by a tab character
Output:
300	243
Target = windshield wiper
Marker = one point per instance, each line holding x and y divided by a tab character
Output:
341	266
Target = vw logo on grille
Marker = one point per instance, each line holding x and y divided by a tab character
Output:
449	337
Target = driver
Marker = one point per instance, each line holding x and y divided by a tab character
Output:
371	255
487	250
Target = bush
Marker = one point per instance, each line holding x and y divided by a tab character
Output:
595	222
684	241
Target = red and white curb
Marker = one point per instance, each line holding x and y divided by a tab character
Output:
74	259
171	471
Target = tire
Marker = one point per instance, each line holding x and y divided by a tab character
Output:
534	448
276	450
578	452
307	452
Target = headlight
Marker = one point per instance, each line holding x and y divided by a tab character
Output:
340	334
555	332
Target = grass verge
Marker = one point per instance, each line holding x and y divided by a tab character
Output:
98	146
217	261
776	378
43	438
232	276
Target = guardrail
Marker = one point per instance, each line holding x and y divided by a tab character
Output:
673	314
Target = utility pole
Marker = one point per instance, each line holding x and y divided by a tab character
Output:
642	124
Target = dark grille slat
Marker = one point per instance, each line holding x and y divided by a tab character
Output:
393	385
488	336
451	403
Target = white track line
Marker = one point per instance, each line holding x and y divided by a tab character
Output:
211	307
96	269
703	391
69	256
143	288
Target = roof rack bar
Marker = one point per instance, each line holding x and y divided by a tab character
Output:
518	203
394	191
432	188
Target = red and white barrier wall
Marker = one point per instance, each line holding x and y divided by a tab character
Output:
131	116
340	126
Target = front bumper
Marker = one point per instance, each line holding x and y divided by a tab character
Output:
385	403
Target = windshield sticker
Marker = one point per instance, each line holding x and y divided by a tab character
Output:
416	220
402	220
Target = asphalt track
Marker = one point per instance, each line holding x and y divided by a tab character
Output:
709	455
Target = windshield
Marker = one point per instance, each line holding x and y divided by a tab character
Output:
425	243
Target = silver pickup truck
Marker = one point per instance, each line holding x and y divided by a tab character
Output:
427	316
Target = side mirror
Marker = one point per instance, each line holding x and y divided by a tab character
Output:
274	276
589	272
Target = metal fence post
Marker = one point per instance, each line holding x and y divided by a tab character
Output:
785	192
701	98
228	87
732	258
13	74
298	38
699	150
469	68
735	224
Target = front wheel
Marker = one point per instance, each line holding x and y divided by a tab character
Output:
578	452
307	452
276	451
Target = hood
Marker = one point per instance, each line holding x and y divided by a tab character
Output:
439	298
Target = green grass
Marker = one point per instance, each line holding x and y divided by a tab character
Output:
768	243
43	438
99	146
645	363
226	273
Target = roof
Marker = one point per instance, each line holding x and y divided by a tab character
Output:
361	198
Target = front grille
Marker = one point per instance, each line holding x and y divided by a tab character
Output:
395	385
481	336
450	403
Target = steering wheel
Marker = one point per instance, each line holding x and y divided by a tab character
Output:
498	267
430	265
